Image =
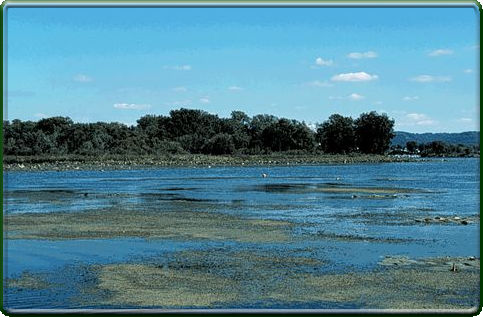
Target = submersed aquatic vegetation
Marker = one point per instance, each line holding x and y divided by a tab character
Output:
355	238
145	285
27	280
116	222
398	288
220	278
298	188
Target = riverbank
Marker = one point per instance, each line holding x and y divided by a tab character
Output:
77	162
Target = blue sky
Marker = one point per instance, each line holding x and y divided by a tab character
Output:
418	65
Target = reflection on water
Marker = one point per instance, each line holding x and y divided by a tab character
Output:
347	216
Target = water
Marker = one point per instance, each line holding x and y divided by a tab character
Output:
350	229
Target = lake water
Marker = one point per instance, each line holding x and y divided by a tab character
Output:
335	209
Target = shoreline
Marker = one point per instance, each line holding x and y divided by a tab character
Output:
111	162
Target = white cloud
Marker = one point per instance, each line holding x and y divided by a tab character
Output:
205	100
429	79
40	115
180	89
359	76
426	122
419	119
235	88
318	83
465	120
352	96
468	71
440	52
405	119
179	67
355	96
358	55
378	102
82	78
319	61
131	106
411	98
416	116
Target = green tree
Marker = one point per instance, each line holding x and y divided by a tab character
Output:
53	124
190	121
285	135
438	147
304	137
411	146
374	133
256	127
238	127
219	144
337	135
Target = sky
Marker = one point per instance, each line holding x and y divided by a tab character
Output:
418	65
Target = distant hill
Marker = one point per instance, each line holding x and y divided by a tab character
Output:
466	138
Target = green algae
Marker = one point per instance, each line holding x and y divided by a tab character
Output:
335	188
28	280
409	288
218	278
118	222
201	278
358	238
145	285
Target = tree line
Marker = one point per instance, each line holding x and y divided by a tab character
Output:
197	131
437	148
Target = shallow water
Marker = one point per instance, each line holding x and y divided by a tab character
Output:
348	216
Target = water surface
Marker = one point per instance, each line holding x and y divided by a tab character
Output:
348	216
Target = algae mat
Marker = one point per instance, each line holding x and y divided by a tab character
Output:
237	279
113	223
220	278
301	188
